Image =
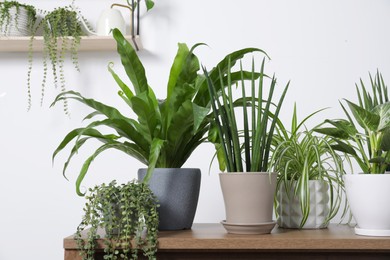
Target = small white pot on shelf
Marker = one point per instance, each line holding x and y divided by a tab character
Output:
369	199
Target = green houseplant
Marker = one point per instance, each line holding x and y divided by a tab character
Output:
365	136
61	34
308	169
248	189
163	133
17	19
127	212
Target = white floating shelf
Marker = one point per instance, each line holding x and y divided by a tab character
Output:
87	43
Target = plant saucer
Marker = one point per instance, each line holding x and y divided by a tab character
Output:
249	228
372	232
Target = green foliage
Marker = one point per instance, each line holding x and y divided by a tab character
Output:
62	34
365	134
6	17
164	132
149	3
124	211
300	156
255	140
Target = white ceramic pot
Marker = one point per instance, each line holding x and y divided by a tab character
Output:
289	208
110	19
248	201
369	199
17	24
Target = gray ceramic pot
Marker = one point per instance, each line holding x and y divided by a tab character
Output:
177	190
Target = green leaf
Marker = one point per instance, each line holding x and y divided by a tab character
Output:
108	111
71	135
133	66
345	128
333	132
184	69
366	119
182	80
199	115
202	98
146	113
155	149
383	111
129	94
385	144
86	165
149	4
344	147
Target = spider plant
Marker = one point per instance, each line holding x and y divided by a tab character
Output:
301	156
165	131
368	144
246	150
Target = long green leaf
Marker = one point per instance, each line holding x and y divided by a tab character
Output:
155	148
133	66
202	98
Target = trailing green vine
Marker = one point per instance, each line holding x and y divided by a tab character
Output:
61	35
126	212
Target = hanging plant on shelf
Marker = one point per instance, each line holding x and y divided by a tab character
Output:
61	35
16	19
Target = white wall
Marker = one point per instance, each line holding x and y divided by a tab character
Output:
322	46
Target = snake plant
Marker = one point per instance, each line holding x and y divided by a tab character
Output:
247	149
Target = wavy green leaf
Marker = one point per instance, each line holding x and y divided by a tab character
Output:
155	149
131	63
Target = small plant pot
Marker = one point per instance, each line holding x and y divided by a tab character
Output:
369	199
248	201
289	211
17	24
177	192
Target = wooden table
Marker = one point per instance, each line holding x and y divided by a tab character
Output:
210	241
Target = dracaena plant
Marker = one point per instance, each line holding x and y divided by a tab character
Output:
164	132
365	134
299	156
247	149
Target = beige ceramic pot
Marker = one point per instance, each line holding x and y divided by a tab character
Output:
248	201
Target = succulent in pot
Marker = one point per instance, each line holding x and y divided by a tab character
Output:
310	188
248	189
365	136
163	133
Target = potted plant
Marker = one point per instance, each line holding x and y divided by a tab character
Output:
309	188
16	19
62	33
365	136
248	189
127	213
163	133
